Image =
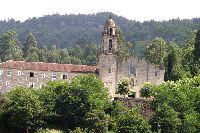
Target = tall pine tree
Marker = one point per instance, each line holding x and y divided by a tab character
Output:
30	49
10	46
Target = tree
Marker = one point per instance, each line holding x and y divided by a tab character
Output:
123	87
49	95
42	54
96	121
9	46
118	109
122	46
196	51
181	96
30	49
85	93
187	58
53	55
166	119
156	52
174	69
132	121
196	54
32	57
146	90
65	58
22	109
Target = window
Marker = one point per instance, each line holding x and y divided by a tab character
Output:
20	73
110	44
111	31
109	70
43	75
31	84
54	76
7	83
132	70
8	73
156	73
64	76
1	72
31	74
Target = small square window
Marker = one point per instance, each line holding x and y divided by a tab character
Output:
20	73
31	74
31	85
64	76
53	76
1	72
8	73
43	75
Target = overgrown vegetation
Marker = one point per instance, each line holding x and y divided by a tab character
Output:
84	106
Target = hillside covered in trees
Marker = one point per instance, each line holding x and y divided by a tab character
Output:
64	30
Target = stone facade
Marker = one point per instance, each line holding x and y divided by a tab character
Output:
35	74
111	70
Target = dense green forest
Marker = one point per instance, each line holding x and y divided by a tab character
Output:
179	61
84	106
64	30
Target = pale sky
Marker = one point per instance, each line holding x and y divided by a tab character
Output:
139	10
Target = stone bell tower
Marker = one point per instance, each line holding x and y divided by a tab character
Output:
107	58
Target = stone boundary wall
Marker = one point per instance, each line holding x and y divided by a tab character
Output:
142	104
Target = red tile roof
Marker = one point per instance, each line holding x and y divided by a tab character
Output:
42	66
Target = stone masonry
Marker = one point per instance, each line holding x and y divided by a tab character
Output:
111	70
35	74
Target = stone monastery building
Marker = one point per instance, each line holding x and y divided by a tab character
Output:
110	69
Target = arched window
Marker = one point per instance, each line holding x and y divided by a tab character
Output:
111	31
110	44
132	70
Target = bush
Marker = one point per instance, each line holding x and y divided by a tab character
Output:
132	122
22	109
146	90
96	121
166	119
123	86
